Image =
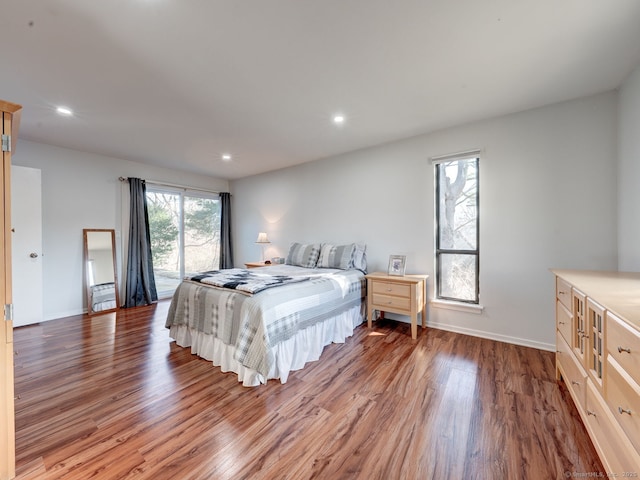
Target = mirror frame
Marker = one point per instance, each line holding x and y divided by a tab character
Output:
87	281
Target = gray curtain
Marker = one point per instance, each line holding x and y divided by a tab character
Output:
226	249
141	284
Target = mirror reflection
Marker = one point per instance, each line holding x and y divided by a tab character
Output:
100	270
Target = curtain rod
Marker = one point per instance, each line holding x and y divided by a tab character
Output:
174	185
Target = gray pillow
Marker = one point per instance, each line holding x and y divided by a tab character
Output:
360	257
303	255
337	256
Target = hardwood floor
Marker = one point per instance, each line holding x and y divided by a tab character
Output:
108	398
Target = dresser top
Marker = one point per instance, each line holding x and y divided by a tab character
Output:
618	292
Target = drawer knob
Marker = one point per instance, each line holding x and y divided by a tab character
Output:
622	410
573	382
620	350
561	323
589	412
561	292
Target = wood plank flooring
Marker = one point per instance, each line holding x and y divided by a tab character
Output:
111	397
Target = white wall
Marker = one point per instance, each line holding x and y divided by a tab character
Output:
548	199
82	190
629	174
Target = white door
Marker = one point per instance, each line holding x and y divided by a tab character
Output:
26	219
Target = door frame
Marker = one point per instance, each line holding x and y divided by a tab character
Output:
10	124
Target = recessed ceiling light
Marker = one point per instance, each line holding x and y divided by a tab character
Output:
67	112
338	119
226	157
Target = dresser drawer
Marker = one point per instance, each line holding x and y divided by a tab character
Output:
614	447
623	343
575	378
563	292
396	289
623	396
381	302
563	321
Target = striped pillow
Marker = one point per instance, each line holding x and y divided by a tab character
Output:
303	255
337	256
360	257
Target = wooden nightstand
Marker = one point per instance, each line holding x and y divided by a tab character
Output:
256	264
406	295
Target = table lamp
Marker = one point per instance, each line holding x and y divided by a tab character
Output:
262	240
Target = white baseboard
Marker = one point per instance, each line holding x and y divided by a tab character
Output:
494	336
63	314
483	334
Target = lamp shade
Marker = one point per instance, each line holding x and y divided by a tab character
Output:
262	238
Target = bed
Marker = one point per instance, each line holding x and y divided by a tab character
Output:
264	328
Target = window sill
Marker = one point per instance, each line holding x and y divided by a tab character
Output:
459	306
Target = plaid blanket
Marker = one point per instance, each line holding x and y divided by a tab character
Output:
243	280
254	324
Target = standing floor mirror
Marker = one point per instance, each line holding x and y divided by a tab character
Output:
101	279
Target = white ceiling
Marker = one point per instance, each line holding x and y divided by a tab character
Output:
176	83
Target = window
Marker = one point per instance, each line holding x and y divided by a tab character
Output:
457	228
185	235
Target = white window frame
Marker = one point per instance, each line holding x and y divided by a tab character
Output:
440	301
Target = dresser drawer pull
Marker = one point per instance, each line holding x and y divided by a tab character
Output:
561	323
560	292
573	382
589	412
620	350
622	410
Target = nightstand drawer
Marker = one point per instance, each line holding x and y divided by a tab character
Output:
383	302
397	289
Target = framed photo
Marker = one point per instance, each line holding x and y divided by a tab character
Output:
397	264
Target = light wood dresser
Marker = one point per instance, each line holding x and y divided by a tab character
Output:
598	357
406	295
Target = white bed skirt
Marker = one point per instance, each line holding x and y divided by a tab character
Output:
305	346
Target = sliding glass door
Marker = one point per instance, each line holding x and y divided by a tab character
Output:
185	235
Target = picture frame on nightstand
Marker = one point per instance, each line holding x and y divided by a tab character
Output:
397	265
